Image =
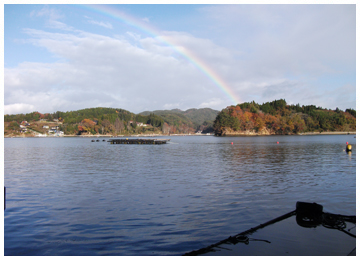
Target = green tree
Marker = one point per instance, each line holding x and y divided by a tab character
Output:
351	112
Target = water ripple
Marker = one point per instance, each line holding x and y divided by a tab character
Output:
163	200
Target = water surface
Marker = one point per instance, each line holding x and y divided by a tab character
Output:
71	196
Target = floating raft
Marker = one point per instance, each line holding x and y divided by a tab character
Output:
138	141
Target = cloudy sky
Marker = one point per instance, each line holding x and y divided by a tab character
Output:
151	57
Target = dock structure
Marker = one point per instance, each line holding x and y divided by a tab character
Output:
138	141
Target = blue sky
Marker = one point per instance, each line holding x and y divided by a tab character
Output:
69	57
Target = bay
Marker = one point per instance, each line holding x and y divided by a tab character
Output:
71	196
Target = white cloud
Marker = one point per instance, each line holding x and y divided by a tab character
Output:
17	108
52	16
99	71
287	38
213	102
171	106
46	11
134	36
99	23
339	97
152	45
262	53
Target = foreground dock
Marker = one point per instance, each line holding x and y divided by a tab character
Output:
138	141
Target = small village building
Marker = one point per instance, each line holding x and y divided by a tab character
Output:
141	124
138	123
23	129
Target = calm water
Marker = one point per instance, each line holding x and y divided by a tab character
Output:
71	196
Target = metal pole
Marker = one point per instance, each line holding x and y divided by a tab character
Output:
250	231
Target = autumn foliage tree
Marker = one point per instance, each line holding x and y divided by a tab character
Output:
87	125
277	117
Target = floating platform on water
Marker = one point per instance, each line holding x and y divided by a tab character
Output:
138	141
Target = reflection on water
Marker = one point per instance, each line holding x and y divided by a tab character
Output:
286	238
71	196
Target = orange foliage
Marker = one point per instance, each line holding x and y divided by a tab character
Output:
40	115
88	122
86	125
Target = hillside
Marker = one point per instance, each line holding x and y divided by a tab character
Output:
110	121
198	119
277	117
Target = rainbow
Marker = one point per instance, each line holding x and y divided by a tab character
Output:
110	11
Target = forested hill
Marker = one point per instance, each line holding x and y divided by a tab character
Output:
113	121
200	119
277	117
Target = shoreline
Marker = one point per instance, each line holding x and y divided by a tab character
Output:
159	135
307	133
329	133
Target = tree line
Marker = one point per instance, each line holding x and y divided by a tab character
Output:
277	117
116	121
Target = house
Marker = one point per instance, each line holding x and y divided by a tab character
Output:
138	123
25	123
141	124
23	129
53	129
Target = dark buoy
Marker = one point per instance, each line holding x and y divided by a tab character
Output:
348	148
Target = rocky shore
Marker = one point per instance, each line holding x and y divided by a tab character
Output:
265	132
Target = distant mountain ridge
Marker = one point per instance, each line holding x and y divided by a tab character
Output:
196	115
